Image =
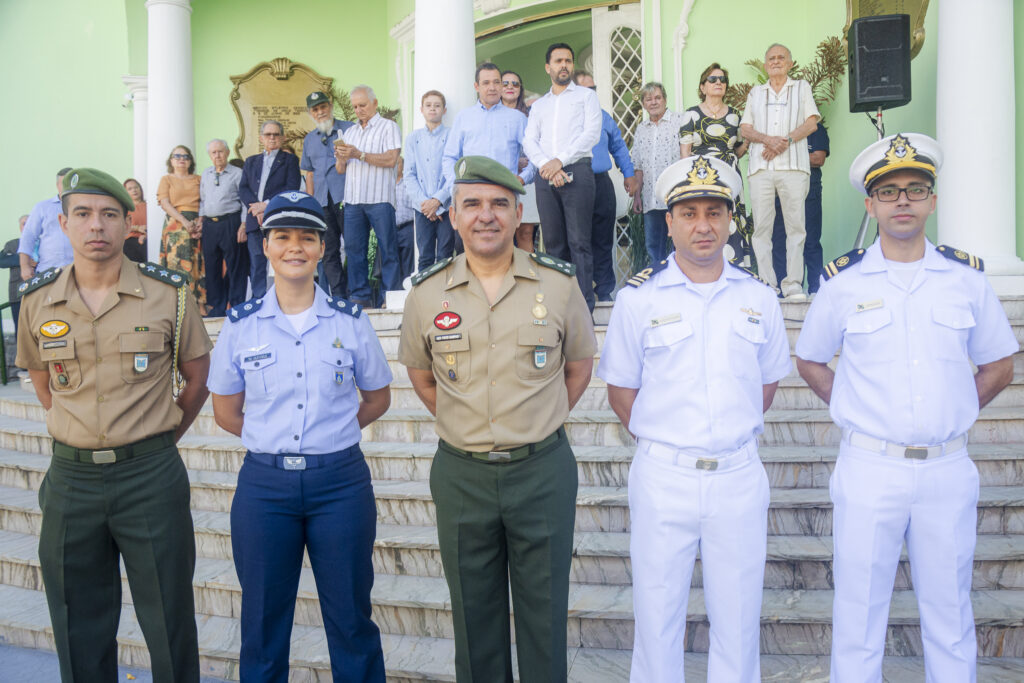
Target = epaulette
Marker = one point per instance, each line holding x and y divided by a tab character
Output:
432	270
38	280
244	310
954	254
646	273
749	272
563	267
832	268
163	274
345	306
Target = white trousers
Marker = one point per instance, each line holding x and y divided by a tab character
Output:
675	509
791	186
880	501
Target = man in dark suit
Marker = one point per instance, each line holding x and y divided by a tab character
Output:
263	176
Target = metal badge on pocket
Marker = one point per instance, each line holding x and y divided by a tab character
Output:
141	362
540	357
339	376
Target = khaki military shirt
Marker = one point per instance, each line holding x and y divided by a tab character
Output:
499	369
110	374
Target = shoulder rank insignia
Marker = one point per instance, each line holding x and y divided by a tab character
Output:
954	254
38	280
646	273
749	272
244	310
156	271
344	305
432	270
563	267
832	268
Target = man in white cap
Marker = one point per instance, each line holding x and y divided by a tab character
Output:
694	352
910	318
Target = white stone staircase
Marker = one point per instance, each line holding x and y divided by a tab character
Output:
410	598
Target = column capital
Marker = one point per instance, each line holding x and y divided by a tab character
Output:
183	4
138	86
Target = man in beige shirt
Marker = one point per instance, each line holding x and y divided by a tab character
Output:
499	345
101	339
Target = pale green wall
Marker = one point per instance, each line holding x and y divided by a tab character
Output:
801	26
523	50
62	96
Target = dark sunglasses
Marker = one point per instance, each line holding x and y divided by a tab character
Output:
181	156
717	79
510	84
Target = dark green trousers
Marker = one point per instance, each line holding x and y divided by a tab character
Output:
93	515
502	524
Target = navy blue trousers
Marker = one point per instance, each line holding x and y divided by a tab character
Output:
359	218
220	246
257	263
435	239
603	236
656	235
328	510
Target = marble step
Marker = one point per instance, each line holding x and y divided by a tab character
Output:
24	622
598	508
792	622
25	448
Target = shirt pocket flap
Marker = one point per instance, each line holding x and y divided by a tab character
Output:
956	317
257	360
338	358
868	321
460	344
537	335
751	331
59	349
138	342
666	335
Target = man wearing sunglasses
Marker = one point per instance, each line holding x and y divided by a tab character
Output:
911	319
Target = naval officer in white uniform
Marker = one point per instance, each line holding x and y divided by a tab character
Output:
911	319
693	355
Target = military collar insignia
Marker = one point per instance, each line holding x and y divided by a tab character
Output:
171	277
748	271
954	254
553	263
436	268
646	273
39	280
344	305
245	310
832	268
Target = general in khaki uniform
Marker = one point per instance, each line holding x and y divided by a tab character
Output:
911	319
499	344
99	338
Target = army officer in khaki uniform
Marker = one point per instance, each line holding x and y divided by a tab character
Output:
500	345
100	339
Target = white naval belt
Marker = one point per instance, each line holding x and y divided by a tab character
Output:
896	450
685	458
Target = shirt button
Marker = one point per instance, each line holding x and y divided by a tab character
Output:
300	406
103	437
99	360
298	374
915	361
917	398
298	343
493	420
99	399
295	437
493	383
493	345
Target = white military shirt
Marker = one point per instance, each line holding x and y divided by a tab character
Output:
699	363
905	373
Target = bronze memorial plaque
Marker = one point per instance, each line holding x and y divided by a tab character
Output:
274	90
855	9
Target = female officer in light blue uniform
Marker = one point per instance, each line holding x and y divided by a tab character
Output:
310	373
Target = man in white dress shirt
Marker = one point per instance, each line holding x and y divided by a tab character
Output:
563	127
911	319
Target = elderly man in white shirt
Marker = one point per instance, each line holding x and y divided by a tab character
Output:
563	127
778	117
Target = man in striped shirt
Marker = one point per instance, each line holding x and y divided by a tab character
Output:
368	156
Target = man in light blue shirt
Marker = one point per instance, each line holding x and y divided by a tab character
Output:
425	185
43	236
488	128
325	183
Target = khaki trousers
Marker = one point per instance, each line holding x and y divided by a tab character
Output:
791	186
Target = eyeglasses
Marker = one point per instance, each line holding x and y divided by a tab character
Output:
510	84
181	156
271	135
717	79
915	193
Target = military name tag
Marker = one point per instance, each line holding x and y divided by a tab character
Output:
448	337
752	319
540	357
259	356
868	305
666	319
55	344
141	362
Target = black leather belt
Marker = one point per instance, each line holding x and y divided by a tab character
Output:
106	456
298	461
217	219
511	454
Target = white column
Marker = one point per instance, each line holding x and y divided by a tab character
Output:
138	94
171	116
971	168
445	54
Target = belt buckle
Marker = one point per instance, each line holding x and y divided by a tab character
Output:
494	456
915	453
706	464
104	457
294	462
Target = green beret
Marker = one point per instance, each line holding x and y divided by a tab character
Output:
483	170
94	181
316	97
